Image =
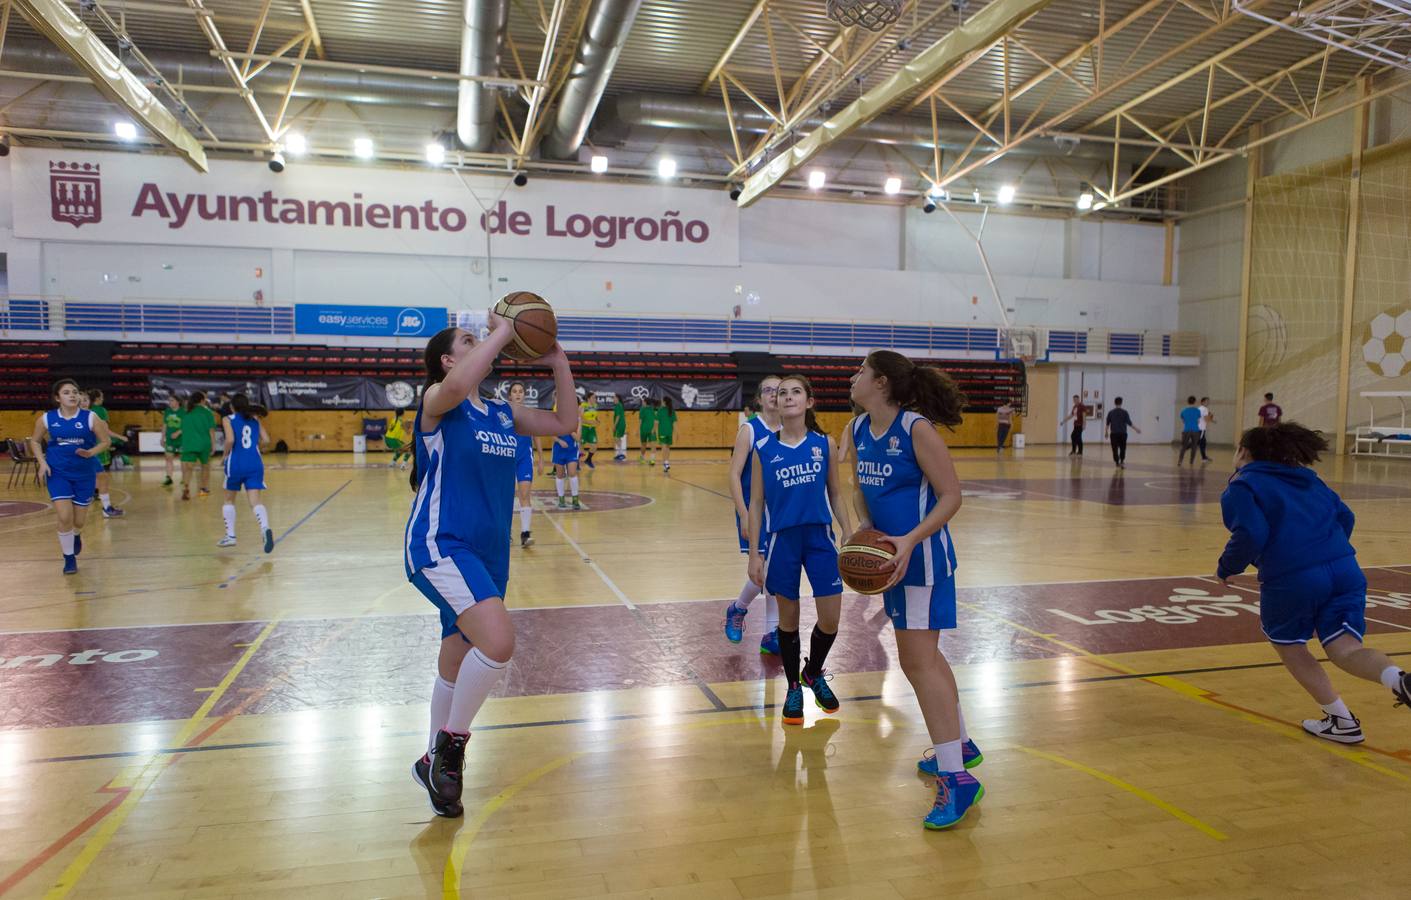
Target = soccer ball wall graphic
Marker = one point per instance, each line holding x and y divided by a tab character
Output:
1386	342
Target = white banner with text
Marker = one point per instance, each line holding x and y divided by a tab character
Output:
153	199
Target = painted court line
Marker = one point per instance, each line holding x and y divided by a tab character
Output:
1132	789
134	787
1201	695
582	554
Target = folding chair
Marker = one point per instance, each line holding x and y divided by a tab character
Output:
20	459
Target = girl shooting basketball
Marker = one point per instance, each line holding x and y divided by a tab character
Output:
908	489
794	483
66	440
244	467
763	423
457	546
526	461
1297	531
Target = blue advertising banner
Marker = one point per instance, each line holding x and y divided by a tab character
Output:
368	321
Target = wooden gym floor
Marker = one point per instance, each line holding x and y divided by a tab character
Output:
245	724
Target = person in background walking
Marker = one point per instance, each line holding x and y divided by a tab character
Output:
1190	430
1004	420
1079	415
1206	417
1270	413
1118	421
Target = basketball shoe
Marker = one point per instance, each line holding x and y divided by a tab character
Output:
956	793
793	706
735	623
440	773
822	694
1335	728
969	754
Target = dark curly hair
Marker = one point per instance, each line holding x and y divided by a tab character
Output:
1288	443
922	389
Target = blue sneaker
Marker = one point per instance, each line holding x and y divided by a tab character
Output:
77	543
969	754
769	644
955	795
822	694
793	706
71	566
735	623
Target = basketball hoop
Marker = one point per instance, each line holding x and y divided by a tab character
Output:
874	15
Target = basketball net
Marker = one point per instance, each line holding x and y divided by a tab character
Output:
874	15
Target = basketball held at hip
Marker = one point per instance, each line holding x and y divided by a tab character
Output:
862	559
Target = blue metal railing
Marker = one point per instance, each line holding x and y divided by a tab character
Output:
39	314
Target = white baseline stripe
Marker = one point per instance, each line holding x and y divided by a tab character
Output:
612	585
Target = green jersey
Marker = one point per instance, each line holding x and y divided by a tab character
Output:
171	422
666	422
619	419
196	428
648	416
101	412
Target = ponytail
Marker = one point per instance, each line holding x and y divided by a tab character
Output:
195	399
439	345
921	389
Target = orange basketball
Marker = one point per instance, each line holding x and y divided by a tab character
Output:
535	326
862	558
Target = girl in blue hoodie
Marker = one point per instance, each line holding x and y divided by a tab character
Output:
1295	529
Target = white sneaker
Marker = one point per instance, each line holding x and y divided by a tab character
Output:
1335	728
226	541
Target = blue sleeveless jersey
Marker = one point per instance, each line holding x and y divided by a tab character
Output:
523	448
795	481
466	495
760	432
66	438
243	455
898	494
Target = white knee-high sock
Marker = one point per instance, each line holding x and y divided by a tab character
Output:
1391	677
747	594
477	678
771	612
573	485
441	692
227	512
558	486
960	714
66	542
262	516
106	500
622	445
524	514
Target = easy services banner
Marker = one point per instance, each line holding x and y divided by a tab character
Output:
369	321
146	198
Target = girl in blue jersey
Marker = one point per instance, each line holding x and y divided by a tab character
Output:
794	483
244	467
908	489
565	459
457	546
764	422
526	460
66	440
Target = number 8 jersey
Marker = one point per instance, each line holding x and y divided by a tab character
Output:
898	494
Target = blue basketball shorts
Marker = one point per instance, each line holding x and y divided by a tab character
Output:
1329	599
565	455
803	549
921	607
75	486
249	479
454	584
524	469
763	540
